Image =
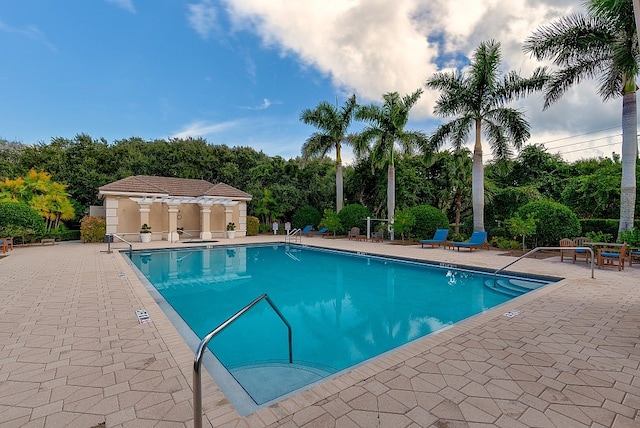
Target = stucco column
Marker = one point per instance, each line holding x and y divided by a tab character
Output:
205	221
111	214
173	223
145	208
228	215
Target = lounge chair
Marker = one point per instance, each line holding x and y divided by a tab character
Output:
322	232
612	257
477	240
439	238
306	231
569	252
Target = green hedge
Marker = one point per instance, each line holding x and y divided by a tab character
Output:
21	221
554	221
604	225
353	215
306	215
428	219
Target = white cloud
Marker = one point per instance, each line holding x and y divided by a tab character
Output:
376	46
202	17
31	32
265	105
204	129
124	4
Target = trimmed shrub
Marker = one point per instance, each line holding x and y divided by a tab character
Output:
92	229
603	225
306	215
506	202
428	219
554	221
21	217
354	215
253	226
331	221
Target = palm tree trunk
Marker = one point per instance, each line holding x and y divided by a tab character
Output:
458	210
629	155
339	187
391	191
477	187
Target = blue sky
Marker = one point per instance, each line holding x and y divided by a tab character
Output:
239	72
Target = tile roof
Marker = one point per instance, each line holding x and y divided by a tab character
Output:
171	186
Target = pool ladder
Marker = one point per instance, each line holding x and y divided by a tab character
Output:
295	234
197	361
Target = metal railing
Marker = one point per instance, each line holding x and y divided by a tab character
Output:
197	361
295	233
495	274
184	232
110	240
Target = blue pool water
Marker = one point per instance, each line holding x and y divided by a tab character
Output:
344	308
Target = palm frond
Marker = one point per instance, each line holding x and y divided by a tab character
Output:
456	132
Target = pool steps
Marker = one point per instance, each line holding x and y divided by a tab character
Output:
512	287
266	382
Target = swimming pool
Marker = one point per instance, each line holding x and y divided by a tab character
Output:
344	308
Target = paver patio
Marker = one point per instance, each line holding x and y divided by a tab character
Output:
72	353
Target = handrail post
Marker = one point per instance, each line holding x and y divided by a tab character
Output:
197	360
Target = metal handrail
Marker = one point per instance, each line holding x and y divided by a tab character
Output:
182	231
495	274
197	361
293	233
113	235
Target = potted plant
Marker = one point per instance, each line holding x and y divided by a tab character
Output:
231	230
145	233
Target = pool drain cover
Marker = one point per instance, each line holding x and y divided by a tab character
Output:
143	316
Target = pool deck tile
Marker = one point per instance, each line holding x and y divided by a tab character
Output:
72	352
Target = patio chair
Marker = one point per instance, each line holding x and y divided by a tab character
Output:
612	257
634	254
581	241
6	244
306	231
377	236
477	240
569	252
354	233
439	238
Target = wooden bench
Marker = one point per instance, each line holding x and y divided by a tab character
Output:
45	241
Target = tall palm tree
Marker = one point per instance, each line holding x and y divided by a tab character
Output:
477	97
385	130
333	125
603	44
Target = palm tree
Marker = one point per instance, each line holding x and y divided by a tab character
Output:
333	124
478	97
602	44
385	129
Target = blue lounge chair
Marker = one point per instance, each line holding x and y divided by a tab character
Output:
322	232
477	240
306	231
439	238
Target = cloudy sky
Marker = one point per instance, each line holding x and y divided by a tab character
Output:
239	72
